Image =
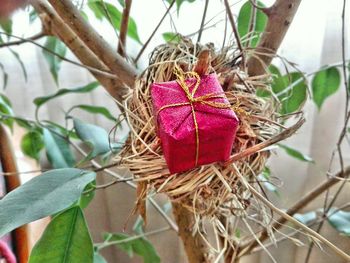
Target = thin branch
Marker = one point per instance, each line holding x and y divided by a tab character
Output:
235	31
303	202
116	242
154	31
280	16
71	15
252	21
291	219
203	20
94	70
124	28
23	40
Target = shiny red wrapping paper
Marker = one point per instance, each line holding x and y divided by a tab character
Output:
176	127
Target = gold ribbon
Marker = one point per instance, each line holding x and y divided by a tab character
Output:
205	99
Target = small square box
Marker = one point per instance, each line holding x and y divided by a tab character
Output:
197	132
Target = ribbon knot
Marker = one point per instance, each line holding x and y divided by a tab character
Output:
207	99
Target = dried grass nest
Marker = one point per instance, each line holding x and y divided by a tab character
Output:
209	190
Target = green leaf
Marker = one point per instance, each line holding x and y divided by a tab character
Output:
6	25
65	240
279	83
179	3
94	136
5	76
340	220
122	3
84	89
57	47
87	195
263	92
112	14
295	98
24	123
296	154
60	129
95	110
19	60
32	143
266	173
57	150
6	109
33	15
139	225
243	22
265	177
325	83
139	246
306	218
291	89
98	258
42	196
171	37
269	186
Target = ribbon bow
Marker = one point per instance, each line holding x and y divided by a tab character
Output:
192	100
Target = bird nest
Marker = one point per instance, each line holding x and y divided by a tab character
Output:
214	189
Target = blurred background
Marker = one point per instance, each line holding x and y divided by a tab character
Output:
313	40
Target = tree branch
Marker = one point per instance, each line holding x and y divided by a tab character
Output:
124	28
8	164
280	16
23	40
72	17
303	202
55	24
195	246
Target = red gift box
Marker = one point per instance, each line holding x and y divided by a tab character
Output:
195	121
